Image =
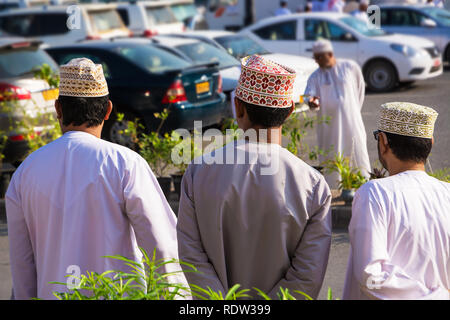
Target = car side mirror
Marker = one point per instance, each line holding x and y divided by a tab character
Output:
348	37
428	23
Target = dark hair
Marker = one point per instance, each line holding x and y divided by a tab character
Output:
407	148
283	3
80	110
266	117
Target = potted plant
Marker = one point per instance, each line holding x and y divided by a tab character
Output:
155	148
350	178
296	130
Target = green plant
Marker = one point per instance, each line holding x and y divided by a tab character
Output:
143	282
441	174
45	72
296	129
351	178
209	294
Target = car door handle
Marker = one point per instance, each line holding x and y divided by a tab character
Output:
309	50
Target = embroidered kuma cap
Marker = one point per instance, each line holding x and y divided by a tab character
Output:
82	78
265	83
407	119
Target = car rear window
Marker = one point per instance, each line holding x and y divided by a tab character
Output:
160	15
19	62
184	11
204	53
151	58
33	25
105	20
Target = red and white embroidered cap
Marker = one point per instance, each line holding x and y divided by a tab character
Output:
265	83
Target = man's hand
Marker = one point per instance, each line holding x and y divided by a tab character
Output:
314	103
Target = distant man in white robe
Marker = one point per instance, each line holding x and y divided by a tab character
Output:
361	12
257	216
80	198
283	9
338	86
400	227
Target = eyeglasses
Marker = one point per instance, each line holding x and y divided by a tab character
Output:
376	133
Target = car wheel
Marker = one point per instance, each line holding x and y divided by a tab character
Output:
114	130
380	76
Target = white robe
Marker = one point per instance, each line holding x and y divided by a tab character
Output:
400	239
240	226
76	200
341	94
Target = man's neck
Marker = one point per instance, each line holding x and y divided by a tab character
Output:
266	135
95	131
399	167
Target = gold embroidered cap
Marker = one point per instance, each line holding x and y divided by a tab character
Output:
82	78
265	83
407	119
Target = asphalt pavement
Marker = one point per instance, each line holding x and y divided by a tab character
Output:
433	92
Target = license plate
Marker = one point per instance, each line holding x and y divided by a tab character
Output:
437	63
202	87
51	94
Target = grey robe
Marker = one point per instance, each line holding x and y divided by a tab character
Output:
239	226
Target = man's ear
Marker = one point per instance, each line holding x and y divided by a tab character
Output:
58	109
292	109
239	107
108	112
384	142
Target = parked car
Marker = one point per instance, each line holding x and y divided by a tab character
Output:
49	23
18	61
430	22
144	79
149	18
385	59
240	46
197	51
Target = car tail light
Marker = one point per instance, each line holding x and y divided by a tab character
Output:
219	84
150	33
93	37
184	29
10	92
131	34
17	138
175	93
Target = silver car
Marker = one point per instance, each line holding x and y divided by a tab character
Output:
420	20
21	92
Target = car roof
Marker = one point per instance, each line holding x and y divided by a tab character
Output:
271	20
211	34
159	3
105	44
57	8
403	5
174	41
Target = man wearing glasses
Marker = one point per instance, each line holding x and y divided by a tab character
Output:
336	89
400	227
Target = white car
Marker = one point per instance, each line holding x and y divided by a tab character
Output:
240	46
19	58
385	59
150	18
428	21
50	23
